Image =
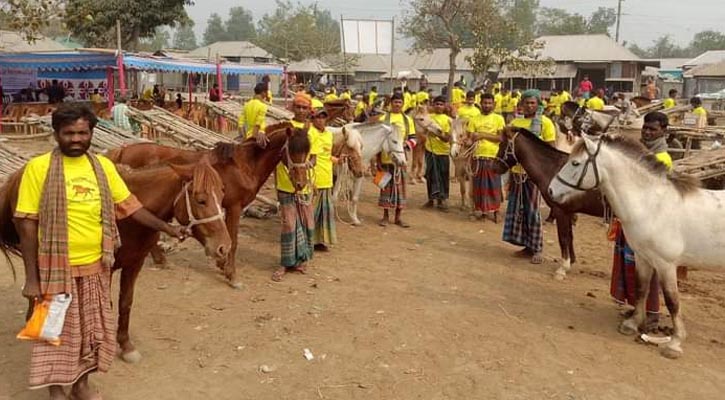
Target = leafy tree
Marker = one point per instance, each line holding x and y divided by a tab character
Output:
185	38
215	31
523	13
300	32
557	21
240	25
707	40
94	21
601	20
159	41
433	24
29	17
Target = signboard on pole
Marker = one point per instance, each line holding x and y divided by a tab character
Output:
364	36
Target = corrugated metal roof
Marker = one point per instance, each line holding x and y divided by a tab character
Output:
561	71
584	48
717	69
310	65
708	57
231	49
435	60
12	42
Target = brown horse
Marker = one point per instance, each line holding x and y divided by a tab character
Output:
542	162
243	168
339	110
191	194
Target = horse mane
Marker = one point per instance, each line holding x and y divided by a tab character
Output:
223	152
299	142
684	184
9	237
354	138
205	179
338	103
540	144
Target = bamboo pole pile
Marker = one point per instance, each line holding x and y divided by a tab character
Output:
185	133
706	164
229	110
107	136
11	160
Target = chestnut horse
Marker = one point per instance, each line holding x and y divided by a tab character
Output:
191	194
542	162
243	168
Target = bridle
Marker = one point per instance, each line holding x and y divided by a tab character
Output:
509	151
591	160
291	165
388	138
193	221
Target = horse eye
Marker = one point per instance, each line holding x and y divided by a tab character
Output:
201	202
575	163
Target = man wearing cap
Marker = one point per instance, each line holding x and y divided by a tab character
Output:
468	110
296	212
392	196
324	209
437	157
422	97
252	119
522	226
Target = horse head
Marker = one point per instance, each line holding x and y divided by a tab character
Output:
580	173
580	120
294	156
352	150
424	123
198	207
393	145
506	155
459	138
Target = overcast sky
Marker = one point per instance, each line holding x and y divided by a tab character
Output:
642	23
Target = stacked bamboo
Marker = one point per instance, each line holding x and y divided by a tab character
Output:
11	159
107	136
187	134
703	165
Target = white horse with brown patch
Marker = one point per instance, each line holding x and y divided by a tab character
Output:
667	218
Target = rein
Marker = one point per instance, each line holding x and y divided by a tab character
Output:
193	221
291	165
591	160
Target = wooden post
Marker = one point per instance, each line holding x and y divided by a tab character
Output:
119	60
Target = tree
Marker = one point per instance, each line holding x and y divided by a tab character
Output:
94	21
159	41
601	20
215	31
523	13
433	24
707	40
29	17
240	25
296	33
185	38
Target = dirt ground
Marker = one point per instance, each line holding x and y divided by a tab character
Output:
439	311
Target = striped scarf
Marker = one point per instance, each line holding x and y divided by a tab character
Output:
53	264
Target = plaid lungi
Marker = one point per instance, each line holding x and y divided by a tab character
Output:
437	175
487	194
522	226
88	341
298	227
392	196
325	231
624	276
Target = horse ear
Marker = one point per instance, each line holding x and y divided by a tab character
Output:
590	141
186	172
288	131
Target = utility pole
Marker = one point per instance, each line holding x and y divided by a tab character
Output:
619	19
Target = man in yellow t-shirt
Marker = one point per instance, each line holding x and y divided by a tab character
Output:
298	223
596	103
697	108
458	97
330	95
361	108
65	217
554	106
671	99
252	119
523	220
485	129
373	96
346	94
392	195
437	156
498	102
469	110
422	98
408	102
324	207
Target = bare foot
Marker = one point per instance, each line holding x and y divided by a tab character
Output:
383	222
524	253
278	274
401	224
301	268
537	258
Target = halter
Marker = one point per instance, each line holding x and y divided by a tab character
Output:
591	160
306	165
193	221
509	151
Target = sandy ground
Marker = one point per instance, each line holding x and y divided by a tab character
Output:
439	311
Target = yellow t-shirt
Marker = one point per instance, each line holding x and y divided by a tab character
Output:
477	98
316	103
434	144
468	112
669	103
373	96
498	103
665	158
360	108
564	96
399	121
508	104
330	97
554	105
458	96
253	114
548	134
489	124
85	233
421	97
700	111
595	103
407	101
346	96
323	164
284	183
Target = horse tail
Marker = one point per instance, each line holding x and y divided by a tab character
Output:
9	237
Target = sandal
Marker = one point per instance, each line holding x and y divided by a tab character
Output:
278	274
383	222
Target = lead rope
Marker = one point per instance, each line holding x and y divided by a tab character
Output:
345	181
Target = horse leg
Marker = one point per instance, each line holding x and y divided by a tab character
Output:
668	281
158	255
356	190
564	234
630	326
229	268
129	274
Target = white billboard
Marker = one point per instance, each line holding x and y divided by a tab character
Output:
362	36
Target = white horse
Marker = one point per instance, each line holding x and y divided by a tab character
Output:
667	219
376	137
462	149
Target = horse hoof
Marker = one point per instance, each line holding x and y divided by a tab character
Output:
559	275
671	351
627	328
131	357
236	285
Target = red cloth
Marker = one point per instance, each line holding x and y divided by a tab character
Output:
585	86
